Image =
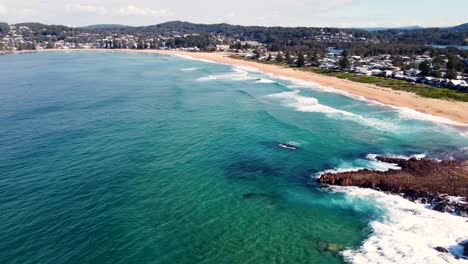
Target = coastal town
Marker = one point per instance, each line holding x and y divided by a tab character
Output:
448	69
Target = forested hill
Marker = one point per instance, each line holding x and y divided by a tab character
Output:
437	36
457	35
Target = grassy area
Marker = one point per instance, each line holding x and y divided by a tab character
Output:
419	89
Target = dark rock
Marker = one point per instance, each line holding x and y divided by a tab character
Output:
326	246
465	249
426	181
441	249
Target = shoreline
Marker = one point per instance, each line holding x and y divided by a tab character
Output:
444	110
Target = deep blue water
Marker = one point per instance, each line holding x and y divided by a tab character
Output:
143	158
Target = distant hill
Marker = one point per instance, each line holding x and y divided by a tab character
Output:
105	26
387	28
460	27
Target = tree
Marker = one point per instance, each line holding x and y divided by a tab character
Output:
425	68
289	60
344	62
279	58
50	45
300	60
437	66
315	59
453	66
269	57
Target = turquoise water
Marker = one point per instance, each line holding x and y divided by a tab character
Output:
142	158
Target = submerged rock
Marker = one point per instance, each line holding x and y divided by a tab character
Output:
254	195
443	185
326	246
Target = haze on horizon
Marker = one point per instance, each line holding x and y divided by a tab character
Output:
327	13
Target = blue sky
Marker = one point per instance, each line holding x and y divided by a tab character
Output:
333	13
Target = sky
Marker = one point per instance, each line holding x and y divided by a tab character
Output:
314	13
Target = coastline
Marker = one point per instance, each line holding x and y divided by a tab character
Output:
441	109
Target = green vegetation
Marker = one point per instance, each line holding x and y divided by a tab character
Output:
419	89
400	85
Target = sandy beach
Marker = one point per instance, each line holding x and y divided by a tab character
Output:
455	111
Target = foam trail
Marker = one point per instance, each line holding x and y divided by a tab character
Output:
404	112
369	163
407	232
309	104
189	69
207	78
236	75
416	156
265	81
193	58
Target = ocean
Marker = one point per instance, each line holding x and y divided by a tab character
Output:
145	158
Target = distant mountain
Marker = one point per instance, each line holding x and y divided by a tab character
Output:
460	27
105	26
388	28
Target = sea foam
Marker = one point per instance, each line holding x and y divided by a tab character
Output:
189	69
306	104
407	232
301	103
236	74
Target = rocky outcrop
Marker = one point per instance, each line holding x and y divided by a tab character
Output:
421	180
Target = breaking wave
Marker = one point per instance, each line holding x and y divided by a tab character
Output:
406	232
189	69
309	104
306	104
236	75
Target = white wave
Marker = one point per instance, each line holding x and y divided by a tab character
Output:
407	232
207	78
404	112
307	104
416	156
298	83
189	69
370	163
236	75
193	58
262	80
410	114
247	68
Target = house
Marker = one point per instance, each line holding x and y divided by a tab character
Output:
222	47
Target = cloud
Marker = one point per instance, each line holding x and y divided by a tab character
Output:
132	10
79	8
3	9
